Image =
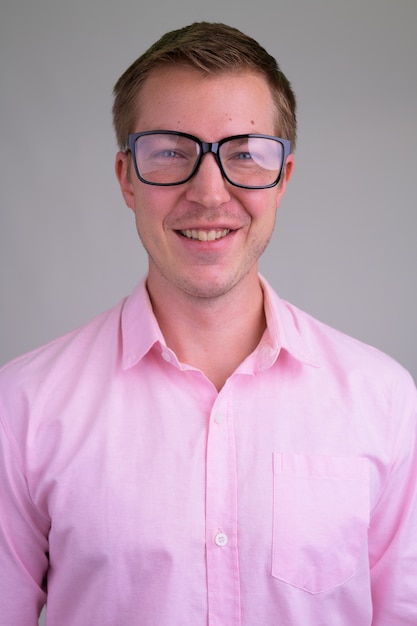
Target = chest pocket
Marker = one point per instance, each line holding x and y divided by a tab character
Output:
321	516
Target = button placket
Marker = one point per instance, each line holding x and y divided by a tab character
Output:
221	514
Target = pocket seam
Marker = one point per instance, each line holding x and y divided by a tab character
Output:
299	557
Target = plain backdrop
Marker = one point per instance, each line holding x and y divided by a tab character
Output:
345	242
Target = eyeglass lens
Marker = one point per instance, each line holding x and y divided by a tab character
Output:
170	158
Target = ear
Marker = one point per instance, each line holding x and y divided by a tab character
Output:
286	175
123	174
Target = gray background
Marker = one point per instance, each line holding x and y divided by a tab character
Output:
345	244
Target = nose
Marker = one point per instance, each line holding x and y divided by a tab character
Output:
208	187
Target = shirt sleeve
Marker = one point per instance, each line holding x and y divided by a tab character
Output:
23	539
393	530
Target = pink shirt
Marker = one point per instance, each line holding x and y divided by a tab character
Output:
287	499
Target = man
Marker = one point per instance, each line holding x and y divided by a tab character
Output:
205	453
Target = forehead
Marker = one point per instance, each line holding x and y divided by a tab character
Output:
179	98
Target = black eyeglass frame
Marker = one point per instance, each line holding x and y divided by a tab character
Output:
205	148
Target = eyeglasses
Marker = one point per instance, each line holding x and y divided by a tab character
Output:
167	157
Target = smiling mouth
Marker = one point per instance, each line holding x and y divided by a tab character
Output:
205	235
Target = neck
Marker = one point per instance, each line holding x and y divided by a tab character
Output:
212	334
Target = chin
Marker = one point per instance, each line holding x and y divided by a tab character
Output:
208	289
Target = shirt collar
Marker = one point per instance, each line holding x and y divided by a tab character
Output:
140	330
283	332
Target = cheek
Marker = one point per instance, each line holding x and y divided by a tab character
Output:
264	207
266	215
151	210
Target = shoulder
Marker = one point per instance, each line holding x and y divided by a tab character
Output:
337	355
343	357
63	354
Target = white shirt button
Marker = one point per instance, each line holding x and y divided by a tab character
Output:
218	417
220	540
166	356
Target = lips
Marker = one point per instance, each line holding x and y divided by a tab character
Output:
205	235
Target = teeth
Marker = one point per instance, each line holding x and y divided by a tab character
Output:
205	235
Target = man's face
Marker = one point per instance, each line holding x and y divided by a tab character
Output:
242	220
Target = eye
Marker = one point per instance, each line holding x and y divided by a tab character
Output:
167	154
243	156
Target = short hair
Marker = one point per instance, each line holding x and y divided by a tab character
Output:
213	49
